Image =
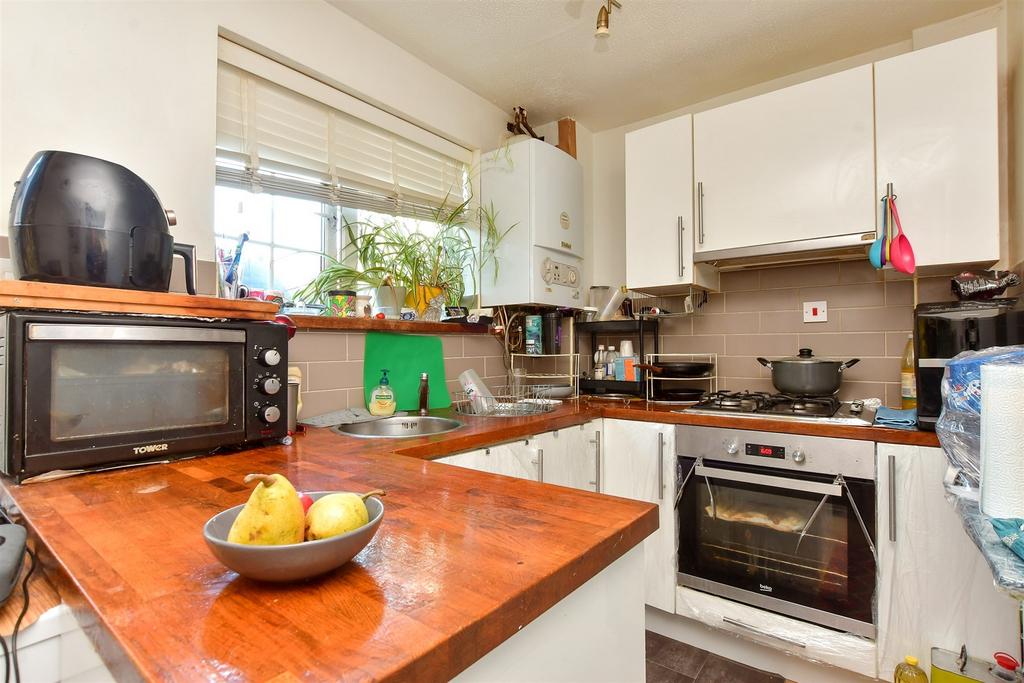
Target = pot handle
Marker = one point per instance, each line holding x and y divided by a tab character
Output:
849	364
765	362
188	253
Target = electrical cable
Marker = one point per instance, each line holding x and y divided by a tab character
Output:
21	615
7	660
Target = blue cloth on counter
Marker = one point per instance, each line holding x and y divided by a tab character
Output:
1011	533
896	419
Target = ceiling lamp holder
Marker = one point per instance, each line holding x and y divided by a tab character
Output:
603	15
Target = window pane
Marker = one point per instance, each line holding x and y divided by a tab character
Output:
298	223
294	269
237	210
256	266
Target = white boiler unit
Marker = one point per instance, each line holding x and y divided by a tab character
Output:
538	188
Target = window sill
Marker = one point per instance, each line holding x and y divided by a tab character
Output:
318	322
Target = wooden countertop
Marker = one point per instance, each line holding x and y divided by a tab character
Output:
321	322
461	562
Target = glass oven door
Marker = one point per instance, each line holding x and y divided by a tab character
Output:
800	544
97	394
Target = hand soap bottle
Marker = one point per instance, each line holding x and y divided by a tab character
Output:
382	398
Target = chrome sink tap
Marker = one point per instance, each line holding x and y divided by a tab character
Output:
424	393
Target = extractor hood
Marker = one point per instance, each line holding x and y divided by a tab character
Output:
835	248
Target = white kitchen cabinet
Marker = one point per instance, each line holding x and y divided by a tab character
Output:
638	462
659	210
517	459
937	130
794	165
570	456
935	589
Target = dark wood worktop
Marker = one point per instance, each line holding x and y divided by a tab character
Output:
461	562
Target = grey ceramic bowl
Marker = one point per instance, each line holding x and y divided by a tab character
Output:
289	562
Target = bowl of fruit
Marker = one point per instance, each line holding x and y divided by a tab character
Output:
280	534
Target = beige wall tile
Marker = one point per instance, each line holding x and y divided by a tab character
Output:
852	391
451	346
874	370
495	367
319	402
793	321
845	346
304	369
800	276
356	346
899	293
740	366
765	345
934	289
309	346
725	323
693	344
715	304
675	326
889	319
769	300
893	397
356	398
854	272
740	280
895	342
480	345
746	384
335	375
846	296
453	367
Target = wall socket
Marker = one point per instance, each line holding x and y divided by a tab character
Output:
815	311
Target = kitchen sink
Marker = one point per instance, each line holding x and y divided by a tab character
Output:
399	427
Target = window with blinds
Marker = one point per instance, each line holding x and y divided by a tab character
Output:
273	139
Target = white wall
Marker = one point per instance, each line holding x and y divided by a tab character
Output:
609	210
135	82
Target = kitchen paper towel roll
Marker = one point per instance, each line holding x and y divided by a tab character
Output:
1002	441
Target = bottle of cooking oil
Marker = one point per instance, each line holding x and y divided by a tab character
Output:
908	672
908	384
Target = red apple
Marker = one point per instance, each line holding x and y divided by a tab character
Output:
306	501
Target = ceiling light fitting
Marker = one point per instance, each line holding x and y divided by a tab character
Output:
602	18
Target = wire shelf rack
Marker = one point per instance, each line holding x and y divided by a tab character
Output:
551	370
653	382
653	306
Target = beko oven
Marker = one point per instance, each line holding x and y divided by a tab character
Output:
782	522
84	391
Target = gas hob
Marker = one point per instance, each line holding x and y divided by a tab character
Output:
820	409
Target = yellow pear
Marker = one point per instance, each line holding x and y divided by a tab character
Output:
273	514
337	513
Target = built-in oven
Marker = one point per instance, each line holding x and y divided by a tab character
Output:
782	522
83	391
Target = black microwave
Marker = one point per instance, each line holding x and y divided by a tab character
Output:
88	391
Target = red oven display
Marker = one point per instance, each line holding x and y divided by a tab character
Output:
766	451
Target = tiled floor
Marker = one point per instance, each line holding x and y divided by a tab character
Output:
669	661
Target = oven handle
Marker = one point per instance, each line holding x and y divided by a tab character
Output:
766	480
143	333
762	632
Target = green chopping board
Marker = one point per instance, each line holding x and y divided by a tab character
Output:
406	357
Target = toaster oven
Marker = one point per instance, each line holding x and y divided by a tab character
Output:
87	391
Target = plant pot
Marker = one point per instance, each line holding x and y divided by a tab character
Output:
390	297
420	298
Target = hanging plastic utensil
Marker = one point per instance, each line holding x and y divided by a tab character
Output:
887	235
875	250
901	253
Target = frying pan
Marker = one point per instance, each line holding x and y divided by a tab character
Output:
689	394
678	369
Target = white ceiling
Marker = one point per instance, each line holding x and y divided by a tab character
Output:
661	55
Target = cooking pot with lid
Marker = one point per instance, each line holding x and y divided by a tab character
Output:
80	220
805	375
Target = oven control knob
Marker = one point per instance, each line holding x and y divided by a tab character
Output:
270	414
731	447
270	385
269	357
798	456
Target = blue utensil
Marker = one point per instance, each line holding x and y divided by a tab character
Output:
876	253
233	268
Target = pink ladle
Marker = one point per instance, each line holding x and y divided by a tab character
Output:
901	254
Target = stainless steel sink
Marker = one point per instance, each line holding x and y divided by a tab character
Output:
399	427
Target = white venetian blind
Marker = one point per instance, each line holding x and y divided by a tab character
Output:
274	138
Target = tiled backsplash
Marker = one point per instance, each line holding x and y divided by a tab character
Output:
760	313
332	366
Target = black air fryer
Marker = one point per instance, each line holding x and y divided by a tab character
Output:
84	221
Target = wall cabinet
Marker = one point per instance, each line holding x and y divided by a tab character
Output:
638	462
792	165
937	127
935	589
659	210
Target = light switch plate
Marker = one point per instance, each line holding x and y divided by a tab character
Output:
815	311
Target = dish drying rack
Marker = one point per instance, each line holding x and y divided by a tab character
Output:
678	305
711	379
508	401
559	370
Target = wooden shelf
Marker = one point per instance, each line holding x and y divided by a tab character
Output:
323	322
45	295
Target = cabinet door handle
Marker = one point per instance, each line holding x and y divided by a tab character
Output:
597	461
661	466
700	213
682	259
892	498
540	464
